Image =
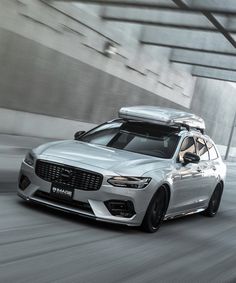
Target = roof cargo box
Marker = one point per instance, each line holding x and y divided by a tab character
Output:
162	116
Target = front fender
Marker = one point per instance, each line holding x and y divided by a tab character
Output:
159	178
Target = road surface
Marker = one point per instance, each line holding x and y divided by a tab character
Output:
38	244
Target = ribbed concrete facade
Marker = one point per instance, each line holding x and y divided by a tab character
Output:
52	64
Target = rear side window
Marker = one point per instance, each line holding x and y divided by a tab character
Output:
188	145
212	151
202	149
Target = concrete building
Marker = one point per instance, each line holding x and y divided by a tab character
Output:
54	73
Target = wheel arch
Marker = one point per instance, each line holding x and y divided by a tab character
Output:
168	189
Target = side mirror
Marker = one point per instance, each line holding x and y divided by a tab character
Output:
191	158
78	135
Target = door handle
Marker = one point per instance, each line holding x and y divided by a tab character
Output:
214	168
199	170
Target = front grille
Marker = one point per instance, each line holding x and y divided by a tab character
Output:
74	177
72	203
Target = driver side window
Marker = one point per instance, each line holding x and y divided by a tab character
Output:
188	145
202	149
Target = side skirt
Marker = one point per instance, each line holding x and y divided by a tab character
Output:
172	216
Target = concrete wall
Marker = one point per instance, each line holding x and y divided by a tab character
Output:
216	102
36	125
51	58
38	79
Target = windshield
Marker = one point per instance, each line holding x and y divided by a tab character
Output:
138	137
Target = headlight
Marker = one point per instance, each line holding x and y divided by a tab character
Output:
129	182
29	159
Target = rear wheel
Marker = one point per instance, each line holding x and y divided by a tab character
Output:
214	202
156	211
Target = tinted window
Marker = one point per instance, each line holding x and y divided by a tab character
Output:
188	145
212	151
202	149
136	137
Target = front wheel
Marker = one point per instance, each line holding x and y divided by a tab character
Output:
156	211
214	202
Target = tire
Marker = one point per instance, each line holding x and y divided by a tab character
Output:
156	211
214	202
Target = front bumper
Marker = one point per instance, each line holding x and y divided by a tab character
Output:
96	200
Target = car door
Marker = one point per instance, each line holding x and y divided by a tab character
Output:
214	165
186	180
205	166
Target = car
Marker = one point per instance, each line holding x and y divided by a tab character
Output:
148	165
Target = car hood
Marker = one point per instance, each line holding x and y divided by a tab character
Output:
111	159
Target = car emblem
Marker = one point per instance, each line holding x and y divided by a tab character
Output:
66	174
54	189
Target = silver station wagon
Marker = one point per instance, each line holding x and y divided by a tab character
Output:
148	165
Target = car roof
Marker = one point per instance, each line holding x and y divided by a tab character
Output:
162	116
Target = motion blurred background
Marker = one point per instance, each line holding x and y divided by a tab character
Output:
66	65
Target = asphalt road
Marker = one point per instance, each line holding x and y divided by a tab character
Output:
38	244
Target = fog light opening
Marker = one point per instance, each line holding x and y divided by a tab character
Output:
24	182
120	208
